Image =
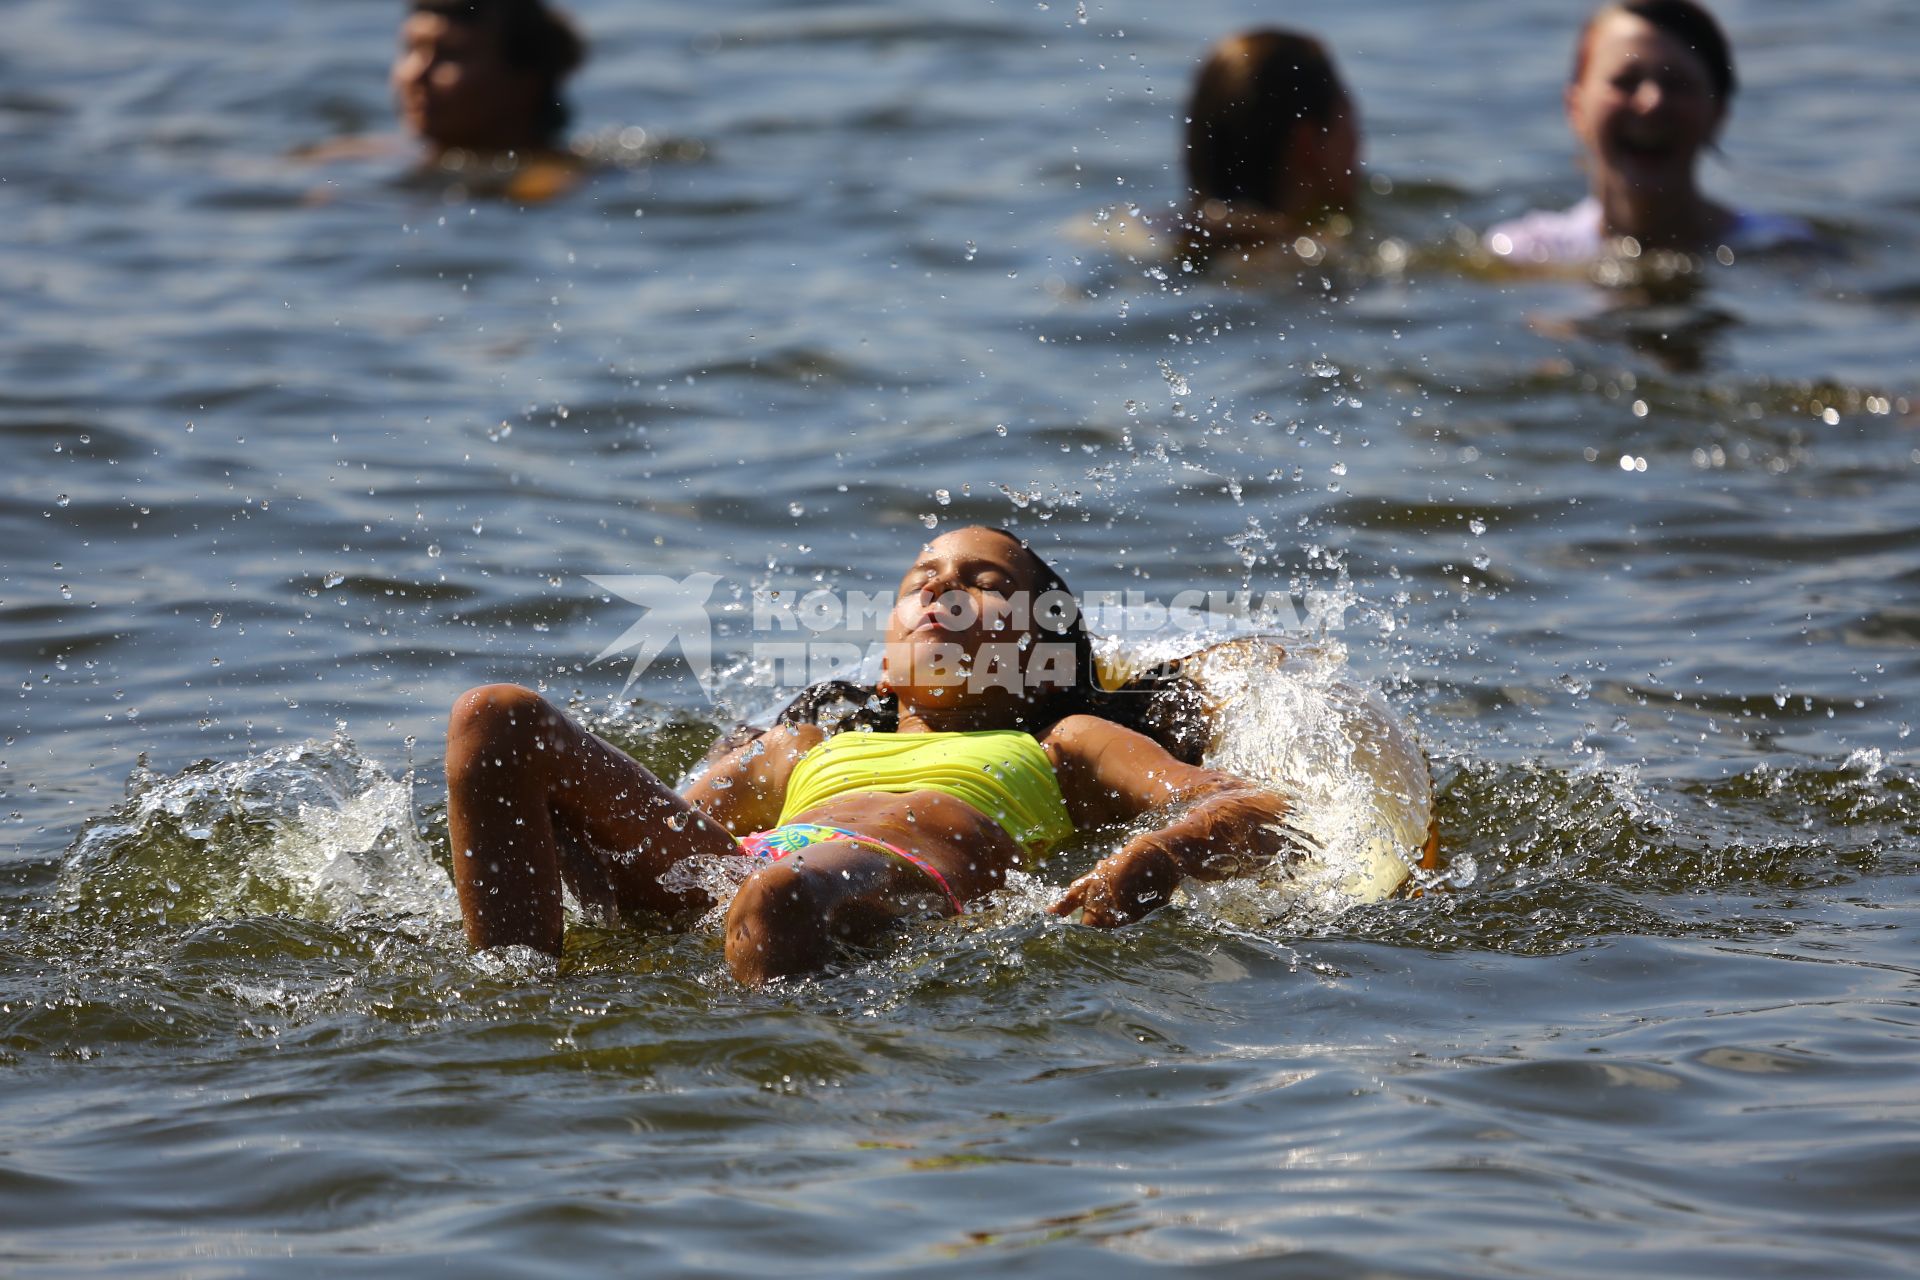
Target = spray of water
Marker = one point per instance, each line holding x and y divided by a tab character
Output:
314	831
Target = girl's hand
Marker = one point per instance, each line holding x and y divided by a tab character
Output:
1124	887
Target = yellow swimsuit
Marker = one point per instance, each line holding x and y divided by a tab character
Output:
1003	773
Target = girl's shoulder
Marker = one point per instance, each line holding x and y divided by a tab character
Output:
1084	737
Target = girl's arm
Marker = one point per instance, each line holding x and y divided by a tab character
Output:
1220	825
744	789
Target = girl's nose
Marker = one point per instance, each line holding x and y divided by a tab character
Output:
415	67
937	586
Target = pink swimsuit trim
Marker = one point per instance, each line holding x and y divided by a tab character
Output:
795	836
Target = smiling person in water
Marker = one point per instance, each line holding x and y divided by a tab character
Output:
1652	84
988	744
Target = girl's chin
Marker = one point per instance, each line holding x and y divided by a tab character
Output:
1653	167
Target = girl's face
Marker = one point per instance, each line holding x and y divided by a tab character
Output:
454	88
967	626
1644	104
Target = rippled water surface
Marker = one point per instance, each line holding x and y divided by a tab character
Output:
296	452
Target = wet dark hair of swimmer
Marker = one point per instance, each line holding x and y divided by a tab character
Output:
532	38
1161	704
1685	21
1247	97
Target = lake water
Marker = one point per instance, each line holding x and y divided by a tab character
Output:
296	453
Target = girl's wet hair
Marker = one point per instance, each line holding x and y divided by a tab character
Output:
1251	91
1161	704
1685	21
533	38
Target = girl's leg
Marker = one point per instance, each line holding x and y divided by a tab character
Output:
790	915
534	800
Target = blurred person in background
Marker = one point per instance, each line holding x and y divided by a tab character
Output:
1272	144
480	84
1652	84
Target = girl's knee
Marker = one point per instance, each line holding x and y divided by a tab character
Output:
492	704
491	720
778	924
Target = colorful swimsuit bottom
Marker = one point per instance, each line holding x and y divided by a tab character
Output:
792	837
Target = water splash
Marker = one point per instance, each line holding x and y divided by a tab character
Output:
314	831
1290	714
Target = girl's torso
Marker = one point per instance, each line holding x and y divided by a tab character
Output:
958	785
948	832
1579	234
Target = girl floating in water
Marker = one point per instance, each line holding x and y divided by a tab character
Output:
1652	83
1272	144
988	744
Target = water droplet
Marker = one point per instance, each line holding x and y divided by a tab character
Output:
62	500
433	551
942	496
332	580
930	520
796	510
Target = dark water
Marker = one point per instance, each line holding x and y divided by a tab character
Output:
265	517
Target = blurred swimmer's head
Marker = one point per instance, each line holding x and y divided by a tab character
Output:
485	75
1270	127
1651	84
